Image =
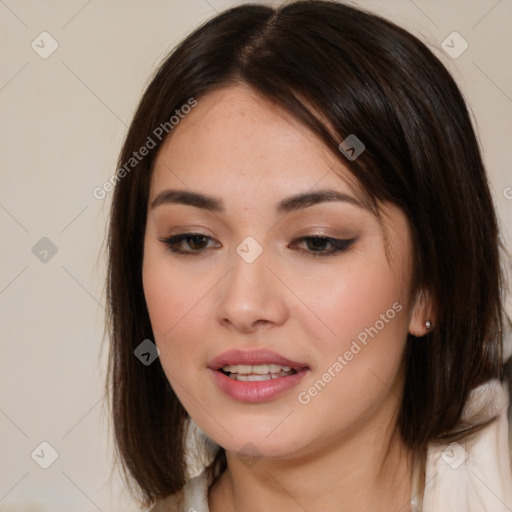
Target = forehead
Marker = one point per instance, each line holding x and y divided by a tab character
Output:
235	138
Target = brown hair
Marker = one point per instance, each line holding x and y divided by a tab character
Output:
339	71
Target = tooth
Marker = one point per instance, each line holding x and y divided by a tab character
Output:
242	377
275	368
286	368
256	378
260	369
244	368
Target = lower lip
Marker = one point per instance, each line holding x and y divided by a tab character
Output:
257	391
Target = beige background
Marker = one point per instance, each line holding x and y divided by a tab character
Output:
63	120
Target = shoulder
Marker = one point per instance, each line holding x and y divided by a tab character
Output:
169	504
192	498
477	471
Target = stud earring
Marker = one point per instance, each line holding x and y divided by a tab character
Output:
428	325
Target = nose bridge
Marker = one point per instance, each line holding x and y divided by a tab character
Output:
250	262
249	293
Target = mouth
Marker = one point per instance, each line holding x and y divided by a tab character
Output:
256	372
256	375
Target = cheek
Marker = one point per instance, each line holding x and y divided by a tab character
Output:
365	296
177	302
359	354
170	298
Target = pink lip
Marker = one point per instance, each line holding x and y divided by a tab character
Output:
258	391
260	356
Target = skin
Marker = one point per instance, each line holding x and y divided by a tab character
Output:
340	451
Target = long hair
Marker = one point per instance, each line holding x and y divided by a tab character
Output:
338	71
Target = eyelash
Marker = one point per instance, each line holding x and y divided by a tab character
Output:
339	245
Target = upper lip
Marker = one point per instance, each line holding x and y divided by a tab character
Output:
252	357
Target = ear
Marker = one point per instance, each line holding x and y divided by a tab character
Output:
422	311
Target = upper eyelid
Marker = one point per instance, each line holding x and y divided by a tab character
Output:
191	234
335	242
183	236
178	238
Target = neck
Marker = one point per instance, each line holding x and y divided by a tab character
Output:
370	471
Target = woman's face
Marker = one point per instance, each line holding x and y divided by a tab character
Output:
249	279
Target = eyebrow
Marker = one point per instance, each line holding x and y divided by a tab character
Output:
188	198
289	204
304	200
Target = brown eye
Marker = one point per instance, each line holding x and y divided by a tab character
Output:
195	242
316	243
324	245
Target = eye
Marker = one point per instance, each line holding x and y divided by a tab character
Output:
196	242
316	245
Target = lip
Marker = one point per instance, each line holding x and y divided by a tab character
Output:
257	391
259	356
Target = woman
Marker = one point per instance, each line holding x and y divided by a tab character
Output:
307	236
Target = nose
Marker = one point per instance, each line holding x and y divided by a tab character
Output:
252	297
